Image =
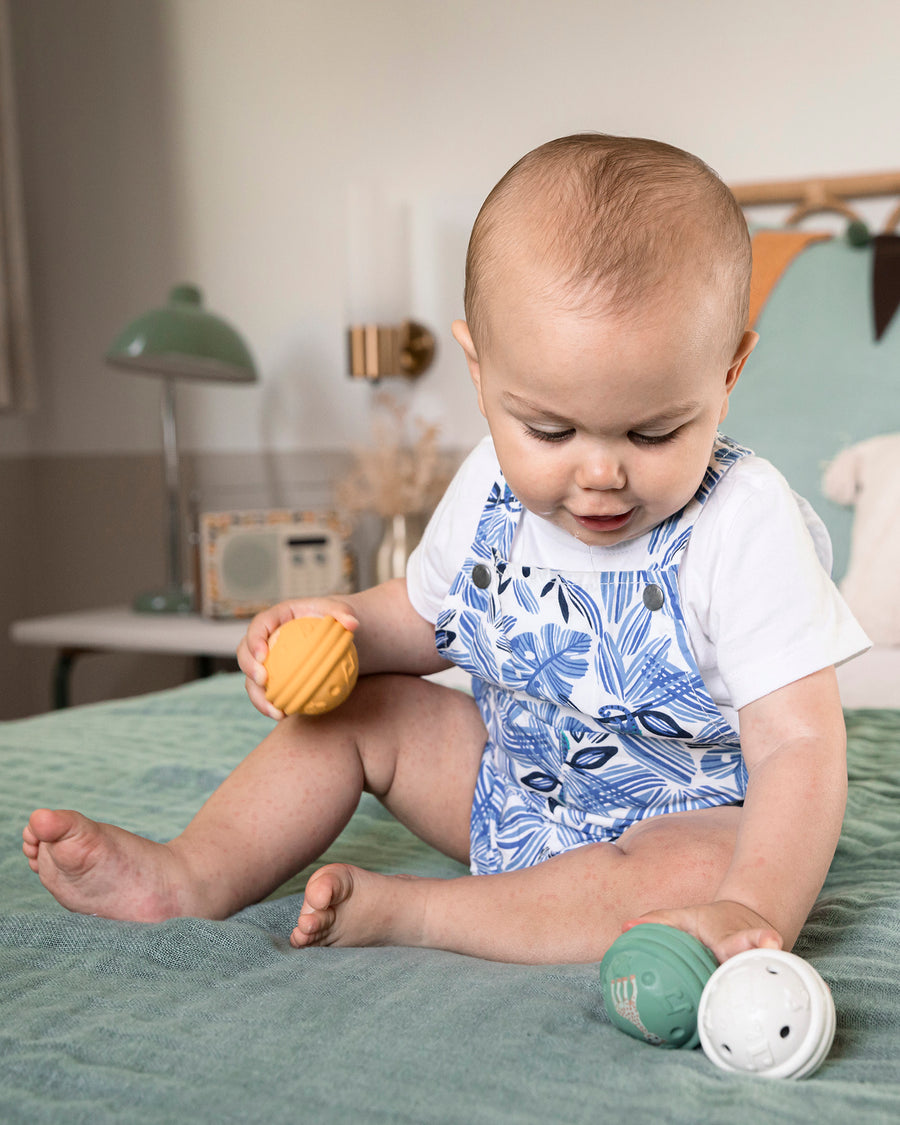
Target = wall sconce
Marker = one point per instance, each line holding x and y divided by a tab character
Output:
382	341
376	350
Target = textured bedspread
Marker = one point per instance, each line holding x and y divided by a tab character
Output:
193	1021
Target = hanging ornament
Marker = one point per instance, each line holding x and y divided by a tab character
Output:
885	280
773	252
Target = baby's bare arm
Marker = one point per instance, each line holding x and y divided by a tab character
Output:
794	744
390	636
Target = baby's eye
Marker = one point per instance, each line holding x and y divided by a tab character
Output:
548	435
651	439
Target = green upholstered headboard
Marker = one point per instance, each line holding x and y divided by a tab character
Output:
818	381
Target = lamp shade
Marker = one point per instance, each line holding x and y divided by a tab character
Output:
183	341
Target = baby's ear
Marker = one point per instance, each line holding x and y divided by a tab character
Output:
463	337
748	342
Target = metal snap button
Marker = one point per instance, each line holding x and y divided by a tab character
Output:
481	576
653	596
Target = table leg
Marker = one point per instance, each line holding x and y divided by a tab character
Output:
62	674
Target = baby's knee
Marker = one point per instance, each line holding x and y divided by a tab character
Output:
698	838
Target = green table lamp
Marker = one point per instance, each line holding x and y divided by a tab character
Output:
181	340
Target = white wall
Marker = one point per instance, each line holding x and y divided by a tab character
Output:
215	140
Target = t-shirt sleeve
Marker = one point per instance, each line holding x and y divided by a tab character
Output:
434	563
758	584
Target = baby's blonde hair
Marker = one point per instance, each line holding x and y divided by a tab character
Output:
614	218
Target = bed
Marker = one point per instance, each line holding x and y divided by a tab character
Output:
191	1020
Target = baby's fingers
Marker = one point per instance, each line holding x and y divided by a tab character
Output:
732	944
257	696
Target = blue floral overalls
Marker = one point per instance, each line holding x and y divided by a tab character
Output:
596	713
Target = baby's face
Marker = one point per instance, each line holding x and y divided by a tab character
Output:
604	425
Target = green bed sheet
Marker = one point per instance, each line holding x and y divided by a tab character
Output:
195	1021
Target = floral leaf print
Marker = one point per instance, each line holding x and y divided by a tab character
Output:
475	644
617	593
718	734
444	639
563	604
618	719
665	761
657	722
570	596
724	765
494	526
662	533
444	635
676	546
609	667
655	677
634	630
591	758
547	665
521	591
526	741
582	601
542	782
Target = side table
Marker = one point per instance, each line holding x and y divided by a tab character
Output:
121	629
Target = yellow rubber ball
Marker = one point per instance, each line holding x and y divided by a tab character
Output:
312	665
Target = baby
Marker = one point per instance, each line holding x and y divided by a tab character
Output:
656	732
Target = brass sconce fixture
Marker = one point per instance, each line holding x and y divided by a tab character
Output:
377	350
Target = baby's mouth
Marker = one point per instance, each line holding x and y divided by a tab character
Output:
605	523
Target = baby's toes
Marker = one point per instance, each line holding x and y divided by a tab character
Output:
312	927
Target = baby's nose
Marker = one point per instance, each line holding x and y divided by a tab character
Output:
602	469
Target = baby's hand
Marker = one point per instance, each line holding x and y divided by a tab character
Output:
254	646
724	927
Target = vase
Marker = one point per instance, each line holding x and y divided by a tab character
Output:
396	546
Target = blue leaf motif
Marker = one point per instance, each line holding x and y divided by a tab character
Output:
547	666
657	722
476	644
563	605
592	758
583	603
522	593
634	630
618	719
609	666
443	639
494	523
542	782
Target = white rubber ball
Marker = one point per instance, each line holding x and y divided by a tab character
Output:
767	1012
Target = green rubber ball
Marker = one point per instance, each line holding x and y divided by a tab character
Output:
652	978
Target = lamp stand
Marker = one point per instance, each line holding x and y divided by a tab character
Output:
174	598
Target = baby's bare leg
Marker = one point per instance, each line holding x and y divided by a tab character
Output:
413	744
569	908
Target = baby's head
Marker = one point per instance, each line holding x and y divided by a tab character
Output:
607	286
616	225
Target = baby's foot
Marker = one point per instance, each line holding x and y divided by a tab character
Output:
345	905
96	868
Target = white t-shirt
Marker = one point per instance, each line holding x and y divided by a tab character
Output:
759	604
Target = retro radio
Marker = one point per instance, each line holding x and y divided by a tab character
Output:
252	559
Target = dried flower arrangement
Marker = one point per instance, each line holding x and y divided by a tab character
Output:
395	476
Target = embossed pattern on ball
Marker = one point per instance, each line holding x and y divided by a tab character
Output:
312	665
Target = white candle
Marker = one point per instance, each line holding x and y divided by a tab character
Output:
378	257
